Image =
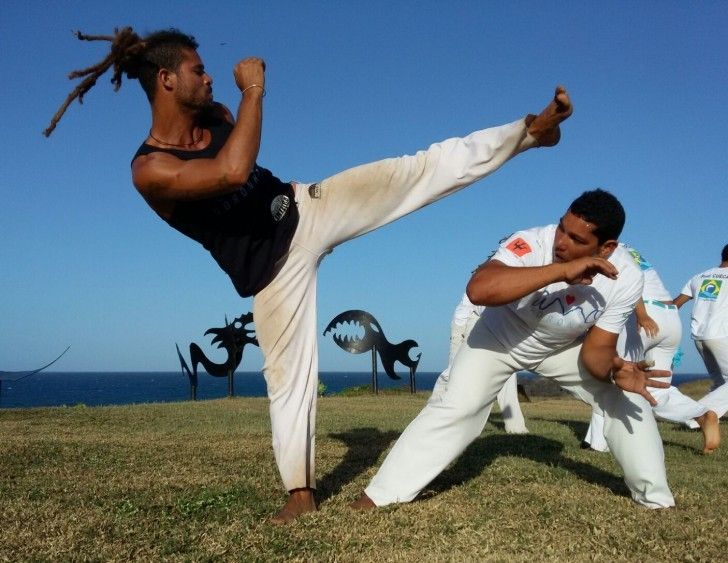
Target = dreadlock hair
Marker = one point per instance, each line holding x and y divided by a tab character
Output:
138	58
604	210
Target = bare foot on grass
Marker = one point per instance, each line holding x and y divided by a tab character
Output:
711	433
363	503
300	501
544	127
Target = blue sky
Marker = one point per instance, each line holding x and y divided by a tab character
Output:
84	262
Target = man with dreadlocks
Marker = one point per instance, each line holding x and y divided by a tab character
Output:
197	170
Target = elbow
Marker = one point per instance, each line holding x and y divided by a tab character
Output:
238	175
488	296
472	294
235	171
478	293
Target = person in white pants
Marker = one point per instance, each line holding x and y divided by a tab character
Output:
197	169
556	298
709	328
464	318
653	333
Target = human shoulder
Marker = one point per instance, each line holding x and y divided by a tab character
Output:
530	240
529	247
629	268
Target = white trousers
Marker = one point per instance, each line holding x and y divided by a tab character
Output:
715	357
442	431
635	345
338	209
507	397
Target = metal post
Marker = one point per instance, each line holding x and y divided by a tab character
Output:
412	380
375	382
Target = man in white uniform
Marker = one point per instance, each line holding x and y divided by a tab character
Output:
556	298
653	333
709	328
464	318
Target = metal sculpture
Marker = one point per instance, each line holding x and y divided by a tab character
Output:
18	375
232	337
374	340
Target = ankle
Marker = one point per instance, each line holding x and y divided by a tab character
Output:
304	496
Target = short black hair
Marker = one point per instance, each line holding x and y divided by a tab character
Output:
604	210
162	49
724	254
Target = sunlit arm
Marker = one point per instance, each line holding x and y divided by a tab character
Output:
598	352
680	300
599	356
161	177
494	283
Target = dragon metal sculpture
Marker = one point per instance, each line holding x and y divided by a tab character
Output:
232	337
374	340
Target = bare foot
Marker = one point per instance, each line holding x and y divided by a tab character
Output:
299	502
363	503
544	127
711	433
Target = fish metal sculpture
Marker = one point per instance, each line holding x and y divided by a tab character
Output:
357	331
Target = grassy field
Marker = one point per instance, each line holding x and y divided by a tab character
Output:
197	481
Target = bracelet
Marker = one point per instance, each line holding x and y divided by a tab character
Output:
253	86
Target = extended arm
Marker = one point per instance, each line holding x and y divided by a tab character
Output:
494	283
680	300
599	356
161	177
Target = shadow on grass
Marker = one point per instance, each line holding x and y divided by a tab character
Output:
483	451
364	446
577	427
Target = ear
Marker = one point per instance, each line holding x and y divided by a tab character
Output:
606	248
166	78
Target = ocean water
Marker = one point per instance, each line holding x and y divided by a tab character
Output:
50	389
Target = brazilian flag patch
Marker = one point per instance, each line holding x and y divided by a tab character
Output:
710	289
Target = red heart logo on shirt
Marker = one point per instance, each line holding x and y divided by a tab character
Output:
570	299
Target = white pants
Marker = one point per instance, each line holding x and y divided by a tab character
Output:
715	357
635	345
441	432
338	209
507	397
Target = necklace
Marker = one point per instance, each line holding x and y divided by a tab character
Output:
183	145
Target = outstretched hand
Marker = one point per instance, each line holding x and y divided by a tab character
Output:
582	270
636	377
544	127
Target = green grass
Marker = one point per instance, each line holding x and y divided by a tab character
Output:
197	482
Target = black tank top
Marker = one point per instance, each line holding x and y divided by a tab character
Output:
246	231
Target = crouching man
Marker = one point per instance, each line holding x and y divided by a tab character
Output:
556	299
